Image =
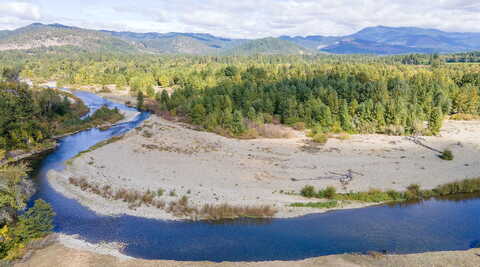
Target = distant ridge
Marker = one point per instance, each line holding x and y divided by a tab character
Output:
379	40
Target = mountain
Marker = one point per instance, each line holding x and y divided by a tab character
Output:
383	40
268	46
179	43
412	37
39	35
378	40
359	46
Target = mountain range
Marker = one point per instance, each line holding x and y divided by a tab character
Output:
378	40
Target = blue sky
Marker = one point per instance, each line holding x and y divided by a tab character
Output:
244	18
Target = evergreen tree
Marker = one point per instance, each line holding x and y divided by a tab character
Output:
140	100
238	126
345	119
435	121
198	114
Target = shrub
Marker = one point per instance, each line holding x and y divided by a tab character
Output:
308	191
320	138
330	192
446	155
462	187
160	192
413	192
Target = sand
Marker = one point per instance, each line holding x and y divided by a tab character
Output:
59	255
211	169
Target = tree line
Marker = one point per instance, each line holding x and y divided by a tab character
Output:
355	98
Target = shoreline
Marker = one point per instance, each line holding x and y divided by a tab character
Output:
82	253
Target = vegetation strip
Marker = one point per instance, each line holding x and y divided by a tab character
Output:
413	192
180	208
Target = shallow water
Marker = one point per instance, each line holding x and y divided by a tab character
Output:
433	225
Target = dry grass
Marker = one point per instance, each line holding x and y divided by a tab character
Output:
464	117
272	130
179	208
226	211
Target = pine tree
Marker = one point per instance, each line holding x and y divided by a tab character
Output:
140	100
238	126
435	121
345	119
198	114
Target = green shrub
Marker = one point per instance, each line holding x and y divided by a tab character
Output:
308	191
330	192
462	187
413	191
320	138
446	155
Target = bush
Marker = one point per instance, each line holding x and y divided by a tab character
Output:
446	155
330	192
320	138
308	191
413	192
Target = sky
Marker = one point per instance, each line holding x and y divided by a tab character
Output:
244	18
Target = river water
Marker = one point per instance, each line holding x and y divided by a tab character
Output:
433	225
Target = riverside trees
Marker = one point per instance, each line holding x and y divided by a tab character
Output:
359	94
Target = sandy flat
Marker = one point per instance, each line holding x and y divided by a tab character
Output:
208	168
60	255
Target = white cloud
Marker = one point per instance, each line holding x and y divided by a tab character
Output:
248	18
19	10
260	18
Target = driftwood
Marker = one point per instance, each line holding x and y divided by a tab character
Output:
344	178
419	141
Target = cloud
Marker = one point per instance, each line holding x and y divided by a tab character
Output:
249	18
19	10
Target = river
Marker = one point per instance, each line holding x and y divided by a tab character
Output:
433	225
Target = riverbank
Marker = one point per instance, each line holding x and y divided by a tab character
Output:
64	255
175	161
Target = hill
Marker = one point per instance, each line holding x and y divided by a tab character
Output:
55	35
179	43
383	40
268	46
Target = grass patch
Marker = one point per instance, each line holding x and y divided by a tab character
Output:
464	117
412	192
317	205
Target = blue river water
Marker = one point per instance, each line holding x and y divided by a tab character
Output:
433	225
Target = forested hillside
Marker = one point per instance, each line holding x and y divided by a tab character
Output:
378	40
29	117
